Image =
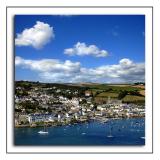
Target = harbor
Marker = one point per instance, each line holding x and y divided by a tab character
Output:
112	132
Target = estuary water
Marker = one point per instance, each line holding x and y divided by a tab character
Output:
113	132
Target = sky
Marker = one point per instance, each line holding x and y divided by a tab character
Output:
80	48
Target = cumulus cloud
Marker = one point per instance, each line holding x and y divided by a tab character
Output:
126	71
48	65
82	49
37	36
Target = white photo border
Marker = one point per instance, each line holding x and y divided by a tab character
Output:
11	11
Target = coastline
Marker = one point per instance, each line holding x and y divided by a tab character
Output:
77	122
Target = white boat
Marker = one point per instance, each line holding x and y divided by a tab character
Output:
110	132
83	133
109	136
43	132
142	137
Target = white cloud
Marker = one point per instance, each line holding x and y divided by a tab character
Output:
125	71
58	71
48	65
82	49
37	36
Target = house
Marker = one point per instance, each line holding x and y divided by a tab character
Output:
88	93
33	118
75	102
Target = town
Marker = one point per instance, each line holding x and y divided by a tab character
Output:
39	104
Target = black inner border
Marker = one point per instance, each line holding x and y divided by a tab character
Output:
7	7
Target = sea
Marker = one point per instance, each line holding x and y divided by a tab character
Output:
114	132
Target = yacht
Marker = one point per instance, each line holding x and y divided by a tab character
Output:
44	131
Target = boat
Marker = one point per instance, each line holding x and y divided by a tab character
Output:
44	131
142	137
110	133
83	133
104	120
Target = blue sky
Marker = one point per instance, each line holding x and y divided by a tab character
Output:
81	48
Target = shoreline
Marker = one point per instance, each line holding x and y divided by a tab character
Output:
78	122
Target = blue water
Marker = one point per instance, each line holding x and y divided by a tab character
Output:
114	132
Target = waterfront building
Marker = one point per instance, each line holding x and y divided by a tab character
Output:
33	118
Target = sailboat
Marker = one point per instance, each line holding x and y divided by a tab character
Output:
110	132
44	131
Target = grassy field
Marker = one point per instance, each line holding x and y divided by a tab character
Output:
139	86
142	92
108	94
103	91
119	85
132	98
115	88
